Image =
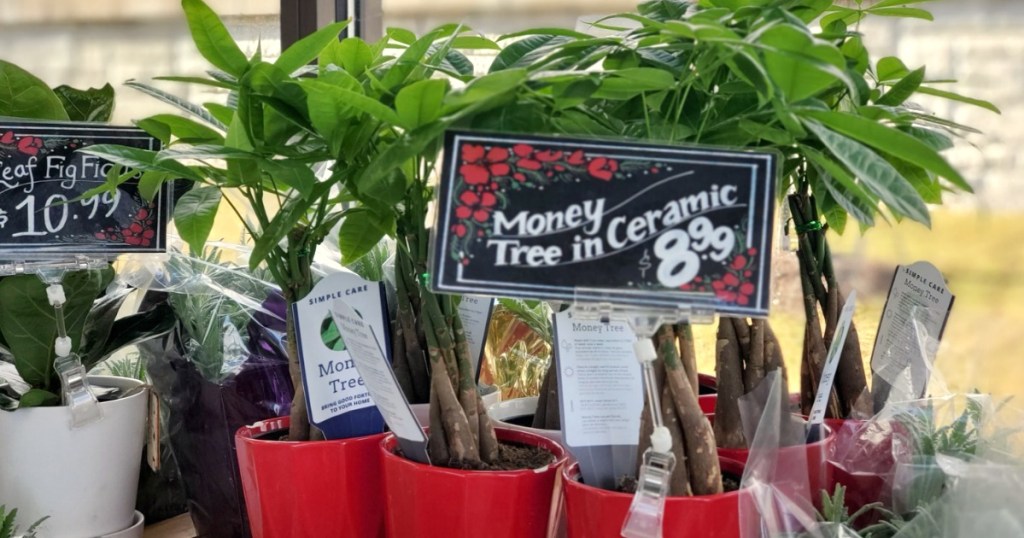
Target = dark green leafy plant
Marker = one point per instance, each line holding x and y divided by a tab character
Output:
28	327
25	96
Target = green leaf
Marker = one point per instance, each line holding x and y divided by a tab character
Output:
308	48
893	3
294	174
525	52
764	132
39	398
94	104
30	328
891	68
903	12
150	183
194	215
201	81
843	188
874	172
212	39
175	101
801	66
23	95
474	42
410	59
420	102
343	98
222	114
183	129
295	208
141	160
401	35
889	140
204	151
351	54
902	90
959	98
934	139
361	230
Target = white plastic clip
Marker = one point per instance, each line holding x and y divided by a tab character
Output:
75	393
647	511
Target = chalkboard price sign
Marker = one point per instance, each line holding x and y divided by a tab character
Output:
574	219
43	178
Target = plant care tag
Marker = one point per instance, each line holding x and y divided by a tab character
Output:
43	178
605	221
336	397
914	318
828	372
601	395
475	313
372	363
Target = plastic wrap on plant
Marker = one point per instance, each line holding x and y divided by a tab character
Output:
777	472
223	367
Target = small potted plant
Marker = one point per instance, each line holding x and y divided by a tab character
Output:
82	479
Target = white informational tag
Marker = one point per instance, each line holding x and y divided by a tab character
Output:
600	386
911	327
376	372
828	373
332	382
475	313
600	381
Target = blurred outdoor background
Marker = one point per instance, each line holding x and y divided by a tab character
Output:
975	240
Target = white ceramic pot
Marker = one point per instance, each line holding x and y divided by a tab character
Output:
135	531
83	480
520	407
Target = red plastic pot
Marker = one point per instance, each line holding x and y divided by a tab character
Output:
313	489
425	501
810	457
867	478
597	513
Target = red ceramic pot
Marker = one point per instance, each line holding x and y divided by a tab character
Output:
425	501
312	489
599	513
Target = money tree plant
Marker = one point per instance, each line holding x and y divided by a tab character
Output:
792	76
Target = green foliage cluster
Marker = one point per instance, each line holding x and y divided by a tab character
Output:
23	95
789	75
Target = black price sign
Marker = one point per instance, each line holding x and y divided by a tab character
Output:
543	217
43	178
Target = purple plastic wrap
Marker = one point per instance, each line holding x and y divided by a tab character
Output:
209	400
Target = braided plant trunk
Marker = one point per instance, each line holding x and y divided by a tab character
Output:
822	298
428	326
746	353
